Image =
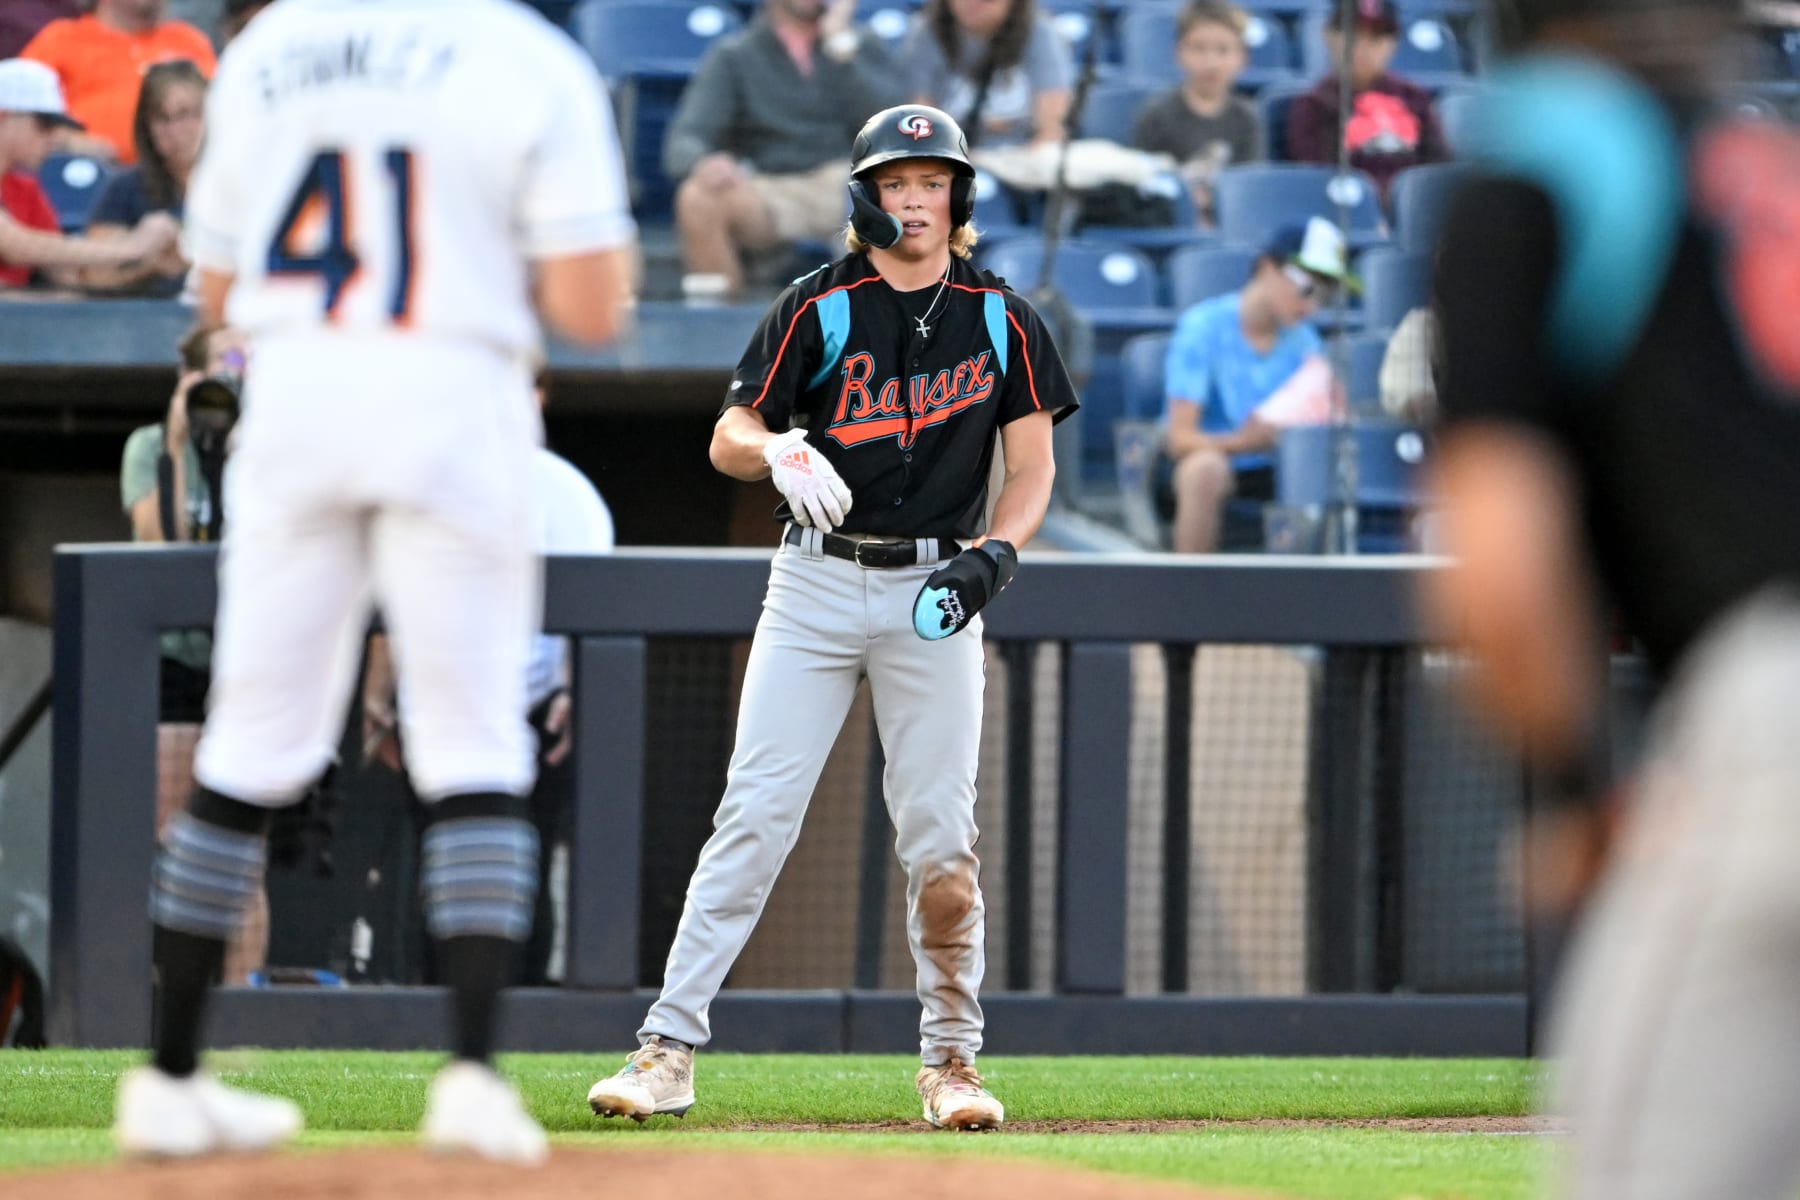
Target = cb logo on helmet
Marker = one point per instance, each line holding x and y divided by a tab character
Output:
916	126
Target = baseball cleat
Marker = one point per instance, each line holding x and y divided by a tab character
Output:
658	1078
470	1109
955	1099
162	1116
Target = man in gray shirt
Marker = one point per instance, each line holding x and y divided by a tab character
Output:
758	141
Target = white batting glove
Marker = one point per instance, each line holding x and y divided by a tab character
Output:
815	491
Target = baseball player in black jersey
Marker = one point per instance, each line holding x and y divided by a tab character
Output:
874	391
1621	324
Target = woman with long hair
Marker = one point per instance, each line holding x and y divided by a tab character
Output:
998	66
167	132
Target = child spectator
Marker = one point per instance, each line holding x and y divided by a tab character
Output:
32	111
1392	125
102	56
1201	123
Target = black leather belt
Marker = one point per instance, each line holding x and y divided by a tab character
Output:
873	552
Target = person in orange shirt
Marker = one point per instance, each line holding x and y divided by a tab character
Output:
101	58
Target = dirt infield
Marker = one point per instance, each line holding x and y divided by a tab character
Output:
584	1174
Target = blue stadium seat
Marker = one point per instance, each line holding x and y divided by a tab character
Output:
1394	283
1075	21
1114	287
73	182
1256	199
1429	53
996	208
1272	104
1206	271
634	39
557	12
1387	456
1157	241
1095	276
887	19
1147	47
1421	198
1455	108
1112	108
1142	360
647	49
1360	364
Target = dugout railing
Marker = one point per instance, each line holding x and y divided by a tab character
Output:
1377	850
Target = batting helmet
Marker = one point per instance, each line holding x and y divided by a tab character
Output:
907	131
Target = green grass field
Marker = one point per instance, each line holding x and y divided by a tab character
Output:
55	1106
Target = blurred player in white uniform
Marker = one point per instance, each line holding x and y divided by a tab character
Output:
388	190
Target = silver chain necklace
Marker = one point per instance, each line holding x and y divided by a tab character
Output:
924	329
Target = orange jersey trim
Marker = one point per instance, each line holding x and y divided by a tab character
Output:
781	350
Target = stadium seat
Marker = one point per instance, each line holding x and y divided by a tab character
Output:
1455	107
1147	47
1385	462
996	208
1142	360
1272	104
1256	199
1112	108
1095	276
1114	287
73	182
887	19
1358	358
1202	272
633	39
1421	198
1429	53
647	49
1076	21
1394	283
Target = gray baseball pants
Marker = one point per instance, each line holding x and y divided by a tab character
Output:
826	623
1679	1029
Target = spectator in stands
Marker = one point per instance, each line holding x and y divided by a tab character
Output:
1239	367
31	111
998	66
21	19
1392	124
166	132
169	484
100	58
1202	123
758	139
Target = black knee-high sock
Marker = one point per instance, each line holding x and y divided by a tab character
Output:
476	969
187	963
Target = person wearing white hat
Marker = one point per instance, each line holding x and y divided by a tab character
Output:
32	109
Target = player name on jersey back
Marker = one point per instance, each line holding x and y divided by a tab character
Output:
395	168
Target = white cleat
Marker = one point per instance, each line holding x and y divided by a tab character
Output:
472	1110
161	1116
658	1078
955	1099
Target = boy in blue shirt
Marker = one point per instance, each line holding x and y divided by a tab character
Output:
1227	357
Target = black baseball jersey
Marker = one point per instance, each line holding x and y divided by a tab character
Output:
908	419
1645	317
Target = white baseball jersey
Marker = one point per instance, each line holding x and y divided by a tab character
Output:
391	166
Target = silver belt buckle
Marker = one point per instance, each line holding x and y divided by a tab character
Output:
857	554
